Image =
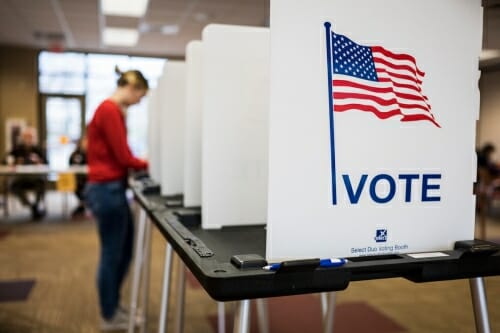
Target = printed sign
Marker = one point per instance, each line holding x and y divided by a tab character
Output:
372	126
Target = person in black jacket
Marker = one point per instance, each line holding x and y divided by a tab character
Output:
27	153
79	157
485	160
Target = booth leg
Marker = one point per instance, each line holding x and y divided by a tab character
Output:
146	263
242	317
330	313
324	304
181	294
262	315
136	277
480	305
167	273
221	317
5	196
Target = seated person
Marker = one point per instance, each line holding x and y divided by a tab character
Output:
79	157
485	160
27	153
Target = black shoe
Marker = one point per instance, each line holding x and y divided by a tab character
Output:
37	214
79	211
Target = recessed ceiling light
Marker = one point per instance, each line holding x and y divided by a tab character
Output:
134	8
200	17
171	29
120	36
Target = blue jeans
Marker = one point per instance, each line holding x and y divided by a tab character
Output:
109	205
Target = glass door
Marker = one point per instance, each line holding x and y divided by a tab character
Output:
63	121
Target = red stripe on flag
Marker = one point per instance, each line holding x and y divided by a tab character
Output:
397	67
399	76
346	83
368	108
415	117
396	56
400	85
378	100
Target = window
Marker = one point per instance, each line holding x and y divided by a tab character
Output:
93	76
62	73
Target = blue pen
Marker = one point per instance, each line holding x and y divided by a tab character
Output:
331	262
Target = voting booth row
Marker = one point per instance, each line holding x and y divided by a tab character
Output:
338	145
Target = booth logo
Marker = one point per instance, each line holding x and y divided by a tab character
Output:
381	235
374	80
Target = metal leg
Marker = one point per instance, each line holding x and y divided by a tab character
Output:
262	317
181	293
324	304
65	212
167	273
221	312
5	196
146	263
330	314
242	317
480	305
136	277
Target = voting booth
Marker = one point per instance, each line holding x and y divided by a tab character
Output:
372	126
235	103
192	134
172	105
368	116
154	133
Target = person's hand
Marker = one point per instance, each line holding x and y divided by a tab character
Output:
35	159
146	163
11	160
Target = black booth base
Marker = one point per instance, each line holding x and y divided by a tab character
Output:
208	253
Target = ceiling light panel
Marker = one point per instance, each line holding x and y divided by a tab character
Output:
132	8
120	37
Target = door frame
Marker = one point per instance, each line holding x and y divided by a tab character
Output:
43	118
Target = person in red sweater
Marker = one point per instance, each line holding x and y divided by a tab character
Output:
109	160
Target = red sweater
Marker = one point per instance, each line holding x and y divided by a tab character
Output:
109	156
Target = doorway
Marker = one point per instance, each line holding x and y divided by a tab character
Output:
62	125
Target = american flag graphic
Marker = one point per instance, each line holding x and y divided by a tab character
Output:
376	80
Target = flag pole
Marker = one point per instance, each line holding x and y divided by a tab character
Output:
328	36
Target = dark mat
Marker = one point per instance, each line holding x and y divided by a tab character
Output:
3	233
299	314
15	291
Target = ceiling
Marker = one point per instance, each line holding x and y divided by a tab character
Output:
76	24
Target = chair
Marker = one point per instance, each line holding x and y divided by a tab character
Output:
483	196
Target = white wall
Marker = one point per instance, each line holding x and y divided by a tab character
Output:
235	125
172	105
192	135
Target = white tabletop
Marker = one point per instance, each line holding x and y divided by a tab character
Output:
40	169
